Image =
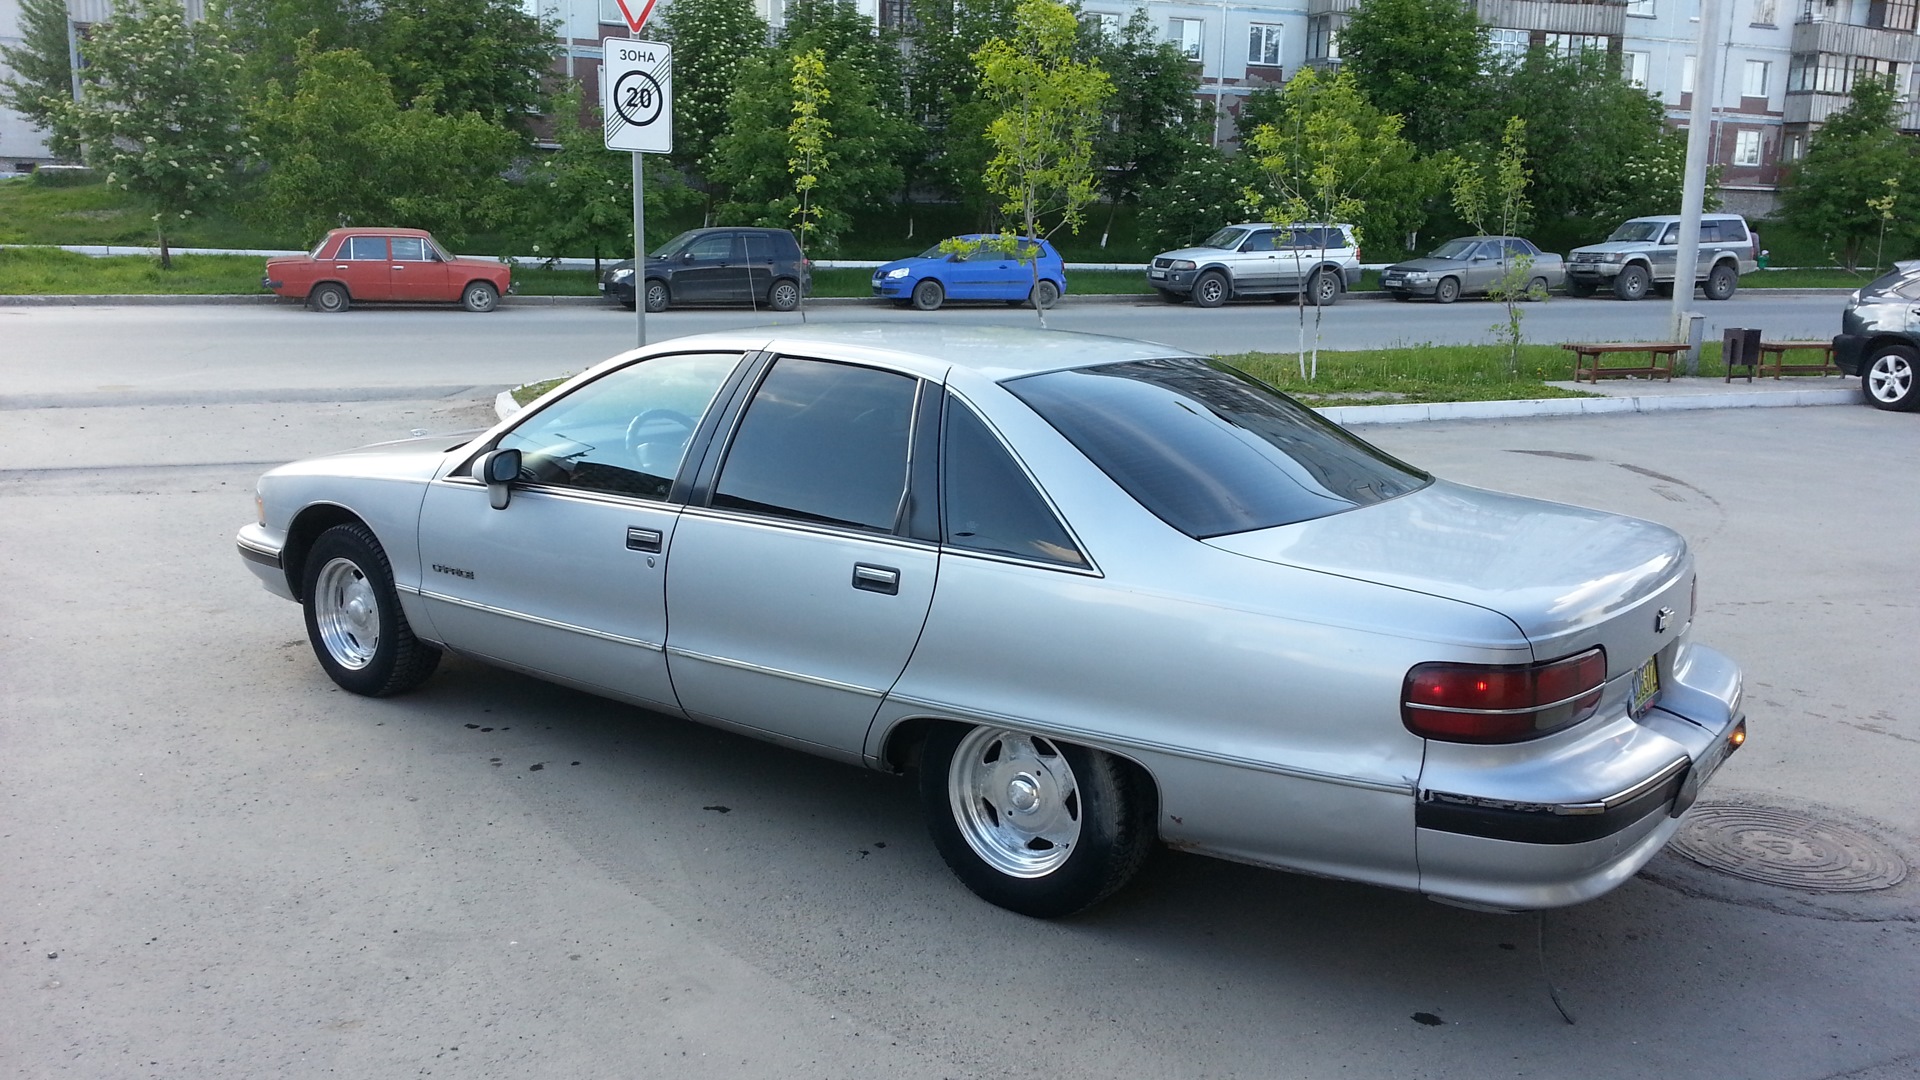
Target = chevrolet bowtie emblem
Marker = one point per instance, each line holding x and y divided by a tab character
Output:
1661	618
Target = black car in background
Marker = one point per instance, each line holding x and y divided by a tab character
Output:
727	265
1879	338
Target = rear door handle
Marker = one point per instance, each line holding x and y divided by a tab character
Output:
880	579
643	540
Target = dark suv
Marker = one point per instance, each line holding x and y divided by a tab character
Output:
1879	338
728	265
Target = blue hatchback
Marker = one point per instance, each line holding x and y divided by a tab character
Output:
1009	271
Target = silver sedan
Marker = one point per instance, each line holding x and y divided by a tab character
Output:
1096	594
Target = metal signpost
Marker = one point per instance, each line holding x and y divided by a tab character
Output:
636	106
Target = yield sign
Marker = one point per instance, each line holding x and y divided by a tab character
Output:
628	7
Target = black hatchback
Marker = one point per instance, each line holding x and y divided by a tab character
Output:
726	265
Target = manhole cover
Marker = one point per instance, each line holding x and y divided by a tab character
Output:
1784	848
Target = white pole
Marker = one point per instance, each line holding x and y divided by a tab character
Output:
1693	193
639	248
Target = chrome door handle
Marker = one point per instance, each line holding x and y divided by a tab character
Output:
643	540
880	579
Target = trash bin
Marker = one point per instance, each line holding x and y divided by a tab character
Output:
1741	348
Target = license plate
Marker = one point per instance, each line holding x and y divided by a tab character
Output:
1156	273
1646	686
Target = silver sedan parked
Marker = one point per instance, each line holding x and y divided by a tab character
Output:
1472	266
1097	594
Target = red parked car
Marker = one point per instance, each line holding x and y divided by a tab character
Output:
406	265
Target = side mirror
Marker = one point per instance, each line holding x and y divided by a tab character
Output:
686	256
498	469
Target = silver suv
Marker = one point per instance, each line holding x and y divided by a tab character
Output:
1640	256
1260	259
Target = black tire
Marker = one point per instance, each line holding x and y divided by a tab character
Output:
658	298
784	295
329	298
1210	289
1891	378
1447	291
1536	290
1576	287
1110	813
1721	283
480	296
1632	283
1323	288
353	616
1171	297
1045	294
928	295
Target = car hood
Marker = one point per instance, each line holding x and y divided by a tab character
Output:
1428	264
403	459
1197	254
1557	571
1616	245
910	262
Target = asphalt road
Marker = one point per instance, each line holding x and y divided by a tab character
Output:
242	350
213	864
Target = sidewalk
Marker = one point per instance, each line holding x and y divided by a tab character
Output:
1630	395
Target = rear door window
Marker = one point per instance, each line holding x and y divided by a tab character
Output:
759	247
823	442
365	248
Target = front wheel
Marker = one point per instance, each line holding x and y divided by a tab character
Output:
928	295
1044	295
657	296
1721	282
1888	381
784	296
1323	288
1632	283
480	296
1447	291
1210	290
354	619
1035	826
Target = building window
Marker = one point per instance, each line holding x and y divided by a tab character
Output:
1686	75
1575	44
1746	148
1754	85
610	14
1263	44
1642	8
1186	33
1891	14
1504	44
1104	23
1763	12
892	13
1796	146
1322	42
1633	65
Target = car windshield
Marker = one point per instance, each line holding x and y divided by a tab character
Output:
673	246
1228	238
1638	230
1209	449
1455	249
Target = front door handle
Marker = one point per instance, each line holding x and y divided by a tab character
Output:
880	579
643	540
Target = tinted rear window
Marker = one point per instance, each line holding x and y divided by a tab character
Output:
1211	450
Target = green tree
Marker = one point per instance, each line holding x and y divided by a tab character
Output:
268	34
1205	190
1153	115
943	96
579	197
713	42
42	72
1853	164
488	57
1049	107
157	112
1424	60
340	150
1491	197
808	137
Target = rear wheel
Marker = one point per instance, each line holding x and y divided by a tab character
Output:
1888	381
1036	826
1447	291
329	298
1210	289
1632	283
1323	288
928	295
480	296
1721	283
1536	289
658	298
1044	295
784	296
354	619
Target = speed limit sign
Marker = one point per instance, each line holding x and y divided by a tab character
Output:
636	96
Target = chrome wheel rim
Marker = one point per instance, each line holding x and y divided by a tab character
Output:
1015	800
1325	288
785	297
1890	379
347	614
1211	290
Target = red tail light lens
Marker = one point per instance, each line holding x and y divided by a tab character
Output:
1484	703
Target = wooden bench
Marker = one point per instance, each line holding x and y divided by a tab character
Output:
1779	367
1590	357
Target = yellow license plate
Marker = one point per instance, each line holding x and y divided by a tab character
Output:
1646	686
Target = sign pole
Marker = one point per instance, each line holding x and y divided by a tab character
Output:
640	247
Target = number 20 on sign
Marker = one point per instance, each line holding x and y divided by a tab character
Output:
636	96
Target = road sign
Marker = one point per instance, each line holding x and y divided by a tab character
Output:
636	23
636	96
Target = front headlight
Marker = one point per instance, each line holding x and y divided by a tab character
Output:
1416	275
897	273
1183	264
623	274
1613	256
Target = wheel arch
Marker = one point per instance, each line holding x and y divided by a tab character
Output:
901	746
317	282
303	530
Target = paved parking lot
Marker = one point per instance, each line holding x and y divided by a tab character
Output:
213	864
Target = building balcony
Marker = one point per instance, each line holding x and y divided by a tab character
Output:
1600	17
1806	107
1812	35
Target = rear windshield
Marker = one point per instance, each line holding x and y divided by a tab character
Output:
1209	449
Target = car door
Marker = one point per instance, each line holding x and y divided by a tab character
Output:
1485	267
708	271
758	248
1666	253
1259	265
569	578
799	588
361	263
416	272
969	274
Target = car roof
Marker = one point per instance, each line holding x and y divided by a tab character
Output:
1289	225
996	353
1676	217
366	230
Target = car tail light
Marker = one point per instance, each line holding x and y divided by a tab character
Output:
1486	703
